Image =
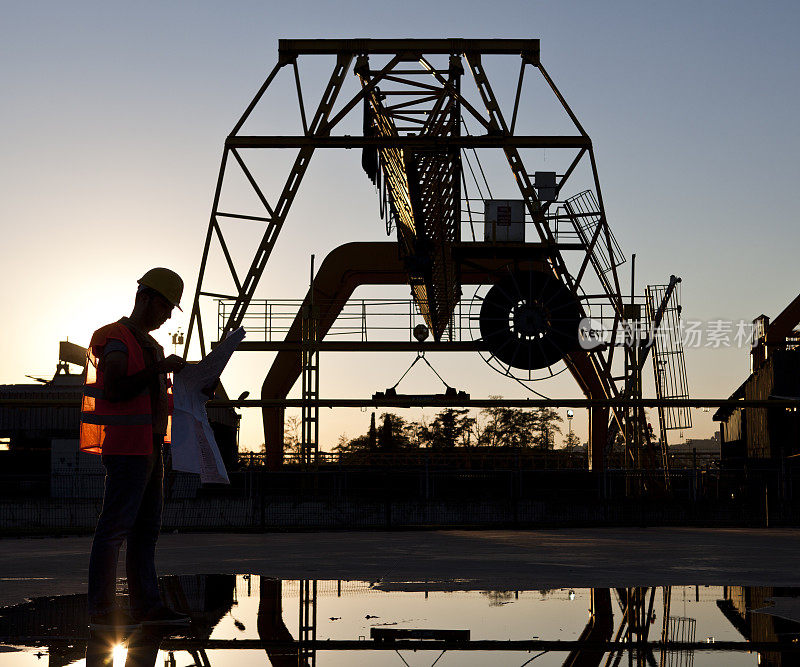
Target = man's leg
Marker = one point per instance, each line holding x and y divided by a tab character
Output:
140	558
126	477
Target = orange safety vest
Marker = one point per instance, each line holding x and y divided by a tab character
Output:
122	427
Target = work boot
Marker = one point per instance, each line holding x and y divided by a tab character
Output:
161	615
116	619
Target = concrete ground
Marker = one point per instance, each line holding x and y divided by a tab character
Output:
489	559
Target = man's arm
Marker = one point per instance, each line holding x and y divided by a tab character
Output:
119	386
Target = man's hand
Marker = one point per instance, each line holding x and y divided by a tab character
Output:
172	364
119	386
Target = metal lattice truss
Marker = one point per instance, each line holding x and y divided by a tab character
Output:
669	366
424	186
412	108
420	134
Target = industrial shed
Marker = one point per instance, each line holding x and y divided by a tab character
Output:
751	435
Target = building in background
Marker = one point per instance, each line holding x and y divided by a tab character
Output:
766	437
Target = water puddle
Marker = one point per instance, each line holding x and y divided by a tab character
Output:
241	620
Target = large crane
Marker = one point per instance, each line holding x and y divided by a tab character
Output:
417	102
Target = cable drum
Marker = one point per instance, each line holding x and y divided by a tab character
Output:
529	320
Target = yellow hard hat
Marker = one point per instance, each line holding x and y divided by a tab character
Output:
167	283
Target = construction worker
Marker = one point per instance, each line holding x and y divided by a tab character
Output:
124	418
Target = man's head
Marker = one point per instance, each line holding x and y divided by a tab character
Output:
159	292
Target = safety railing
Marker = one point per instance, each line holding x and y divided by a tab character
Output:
359	320
476	228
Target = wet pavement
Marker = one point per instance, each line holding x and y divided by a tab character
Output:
492	559
575	597
247	619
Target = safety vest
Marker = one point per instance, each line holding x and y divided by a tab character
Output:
120	427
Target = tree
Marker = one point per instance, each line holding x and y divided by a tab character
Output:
393	435
547	424
450	428
519	427
372	434
419	434
342	444
475	434
571	442
491	435
291	435
508	427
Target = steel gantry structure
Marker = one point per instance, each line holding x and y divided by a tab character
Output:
415	100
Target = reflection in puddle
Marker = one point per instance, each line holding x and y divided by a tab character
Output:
241	620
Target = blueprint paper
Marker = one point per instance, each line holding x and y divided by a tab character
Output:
193	446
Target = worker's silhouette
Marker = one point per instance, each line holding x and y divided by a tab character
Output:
124	417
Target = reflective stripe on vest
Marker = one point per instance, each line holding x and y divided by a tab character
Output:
93	391
116	420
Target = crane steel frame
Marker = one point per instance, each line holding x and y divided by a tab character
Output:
592	369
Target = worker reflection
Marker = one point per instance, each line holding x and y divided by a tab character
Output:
141	649
125	418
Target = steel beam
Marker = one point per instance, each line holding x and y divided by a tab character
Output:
366	346
409	401
412	143
289	49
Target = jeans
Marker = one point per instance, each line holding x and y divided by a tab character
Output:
132	505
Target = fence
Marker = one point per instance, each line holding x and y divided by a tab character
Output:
391	498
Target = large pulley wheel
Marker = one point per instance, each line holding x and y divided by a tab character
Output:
529	320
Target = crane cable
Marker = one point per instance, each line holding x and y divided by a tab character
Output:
421	356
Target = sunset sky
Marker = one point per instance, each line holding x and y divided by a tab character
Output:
113	119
